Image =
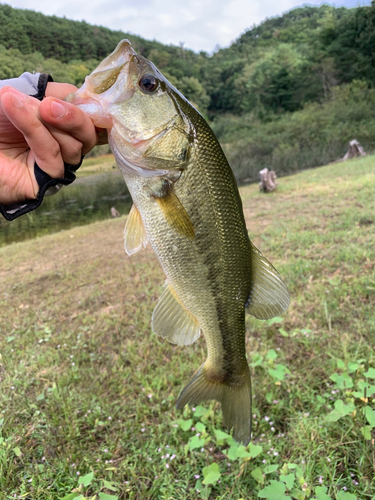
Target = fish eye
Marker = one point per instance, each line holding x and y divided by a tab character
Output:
149	83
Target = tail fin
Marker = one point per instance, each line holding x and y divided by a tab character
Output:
235	400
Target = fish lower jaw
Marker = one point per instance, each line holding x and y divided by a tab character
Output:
98	117
93	108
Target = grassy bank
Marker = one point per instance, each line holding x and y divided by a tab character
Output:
87	392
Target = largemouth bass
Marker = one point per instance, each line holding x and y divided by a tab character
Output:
187	206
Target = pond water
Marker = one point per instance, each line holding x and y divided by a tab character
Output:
87	200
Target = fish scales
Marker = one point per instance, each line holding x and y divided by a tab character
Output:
219	291
187	206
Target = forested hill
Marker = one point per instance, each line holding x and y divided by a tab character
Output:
69	50
270	88
60	38
277	66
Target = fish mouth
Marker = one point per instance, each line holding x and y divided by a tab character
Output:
107	85
97	106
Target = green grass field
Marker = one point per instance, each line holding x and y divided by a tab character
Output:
87	391
98	165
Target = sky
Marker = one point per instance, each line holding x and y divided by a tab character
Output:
199	24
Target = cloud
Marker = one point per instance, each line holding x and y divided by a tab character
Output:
200	24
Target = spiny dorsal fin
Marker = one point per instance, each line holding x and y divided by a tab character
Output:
175	213
269	296
134	233
172	321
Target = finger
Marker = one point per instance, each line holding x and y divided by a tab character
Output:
7	130
32	103
70	148
21	112
16	184
59	90
68	118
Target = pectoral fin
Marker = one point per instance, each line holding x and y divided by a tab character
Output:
174	212
134	233
269	296
172	321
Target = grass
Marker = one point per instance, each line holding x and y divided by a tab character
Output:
87	392
99	165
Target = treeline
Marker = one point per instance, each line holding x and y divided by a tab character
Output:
276	67
315	135
59	38
293	59
69	50
289	70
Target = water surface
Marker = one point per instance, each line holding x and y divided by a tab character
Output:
87	200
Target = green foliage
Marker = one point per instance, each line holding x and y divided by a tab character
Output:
343	495
106	496
278	371
273	68
185	424
269	83
321	493
195	442
193	90
211	474
59	38
86	480
315	135
370	373
351	42
274	491
288	94
340	410
13	63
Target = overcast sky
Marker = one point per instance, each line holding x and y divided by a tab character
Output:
200	24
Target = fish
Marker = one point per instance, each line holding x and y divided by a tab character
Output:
187	206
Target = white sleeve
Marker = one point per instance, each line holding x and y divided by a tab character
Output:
33	84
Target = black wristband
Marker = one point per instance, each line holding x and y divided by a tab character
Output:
11	212
44	78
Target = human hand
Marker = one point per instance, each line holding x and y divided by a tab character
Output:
49	133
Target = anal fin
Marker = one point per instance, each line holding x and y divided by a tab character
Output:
269	296
172	321
134	233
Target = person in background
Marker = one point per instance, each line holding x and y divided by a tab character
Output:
42	141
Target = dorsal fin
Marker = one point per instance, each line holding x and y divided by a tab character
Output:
269	296
134	233
172	321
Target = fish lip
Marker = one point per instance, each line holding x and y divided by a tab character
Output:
96	105
93	107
